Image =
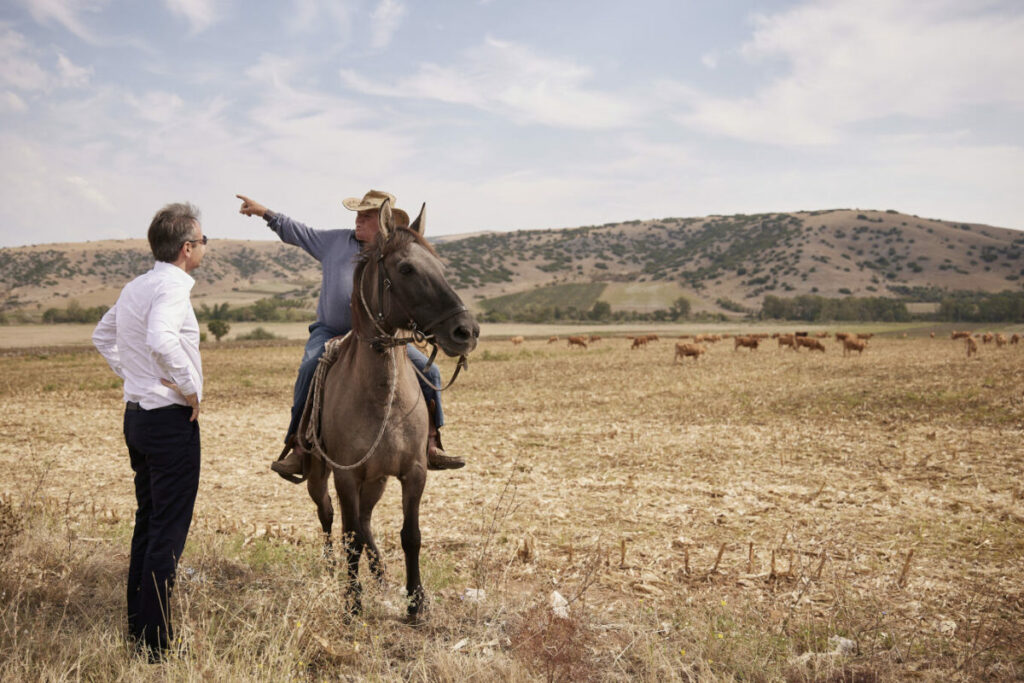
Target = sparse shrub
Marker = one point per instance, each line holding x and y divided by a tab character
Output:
257	334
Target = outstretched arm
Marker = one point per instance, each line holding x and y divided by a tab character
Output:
289	230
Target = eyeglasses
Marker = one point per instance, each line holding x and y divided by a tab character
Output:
204	239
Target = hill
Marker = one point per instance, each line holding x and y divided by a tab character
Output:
720	263
732	262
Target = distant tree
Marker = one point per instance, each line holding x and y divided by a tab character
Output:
602	310
218	328
680	308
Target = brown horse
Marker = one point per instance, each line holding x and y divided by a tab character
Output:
373	416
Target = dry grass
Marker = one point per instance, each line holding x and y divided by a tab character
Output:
715	520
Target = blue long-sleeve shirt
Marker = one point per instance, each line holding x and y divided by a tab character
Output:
337	251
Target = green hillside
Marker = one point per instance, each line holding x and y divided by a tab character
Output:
546	302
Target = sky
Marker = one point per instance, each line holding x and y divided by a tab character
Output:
504	114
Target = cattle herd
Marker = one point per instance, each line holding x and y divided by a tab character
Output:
694	346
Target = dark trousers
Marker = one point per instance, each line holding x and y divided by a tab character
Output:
164	450
320	334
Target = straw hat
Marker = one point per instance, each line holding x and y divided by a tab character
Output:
373	199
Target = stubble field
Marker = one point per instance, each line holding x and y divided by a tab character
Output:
758	515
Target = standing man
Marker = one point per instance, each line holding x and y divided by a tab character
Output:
150	338
337	251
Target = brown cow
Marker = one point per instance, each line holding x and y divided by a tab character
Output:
787	340
594	338
639	343
552	339
1000	339
684	350
972	346
851	343
987	338
577	341
959	334
812	344
1015	339
517	340
748	342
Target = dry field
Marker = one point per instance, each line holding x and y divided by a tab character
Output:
730	518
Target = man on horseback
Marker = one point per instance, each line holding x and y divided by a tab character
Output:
337	251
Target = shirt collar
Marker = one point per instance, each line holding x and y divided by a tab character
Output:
174	272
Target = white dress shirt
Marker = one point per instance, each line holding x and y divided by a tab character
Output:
150	334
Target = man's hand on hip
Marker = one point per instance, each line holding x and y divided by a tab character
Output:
191	399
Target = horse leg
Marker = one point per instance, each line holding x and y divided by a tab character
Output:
316	485
348	497
369	494
412	491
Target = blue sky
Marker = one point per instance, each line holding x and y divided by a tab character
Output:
503	114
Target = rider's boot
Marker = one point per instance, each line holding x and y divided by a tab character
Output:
292	465
437	459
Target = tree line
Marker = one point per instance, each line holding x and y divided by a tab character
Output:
960	306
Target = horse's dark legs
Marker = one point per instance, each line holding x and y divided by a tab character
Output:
316	485
369	493
412	491
348	496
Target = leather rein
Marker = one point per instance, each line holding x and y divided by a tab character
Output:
389	340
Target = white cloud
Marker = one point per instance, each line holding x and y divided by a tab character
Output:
10	102
200	14
514	81
18	68
71	75
66	13
156	107
385	21
90	193
308	15
855	63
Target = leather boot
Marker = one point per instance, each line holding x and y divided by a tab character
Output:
437	459
291	465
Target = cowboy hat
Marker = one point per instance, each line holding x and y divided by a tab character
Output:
371	200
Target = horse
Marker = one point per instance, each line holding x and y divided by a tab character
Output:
373	417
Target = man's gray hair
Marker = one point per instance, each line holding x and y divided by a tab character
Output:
172	226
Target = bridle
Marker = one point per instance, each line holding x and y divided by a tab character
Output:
389	340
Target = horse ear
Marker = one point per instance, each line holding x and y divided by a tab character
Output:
419	225
386	219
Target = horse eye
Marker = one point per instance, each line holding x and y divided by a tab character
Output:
405	269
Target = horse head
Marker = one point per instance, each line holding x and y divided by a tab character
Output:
401	282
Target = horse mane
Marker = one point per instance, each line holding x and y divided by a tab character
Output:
379	247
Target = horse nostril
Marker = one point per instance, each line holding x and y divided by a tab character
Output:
461	333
